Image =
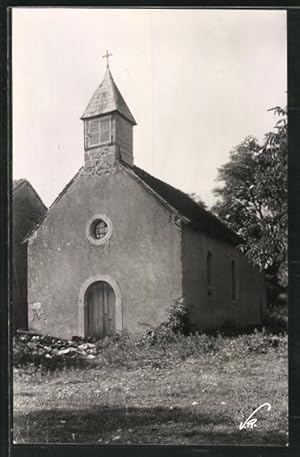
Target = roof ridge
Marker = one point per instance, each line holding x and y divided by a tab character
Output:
115	86
24	182
174	188
129	169
177	201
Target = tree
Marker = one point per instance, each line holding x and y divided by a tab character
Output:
253	198
198	200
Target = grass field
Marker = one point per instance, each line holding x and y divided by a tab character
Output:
166	394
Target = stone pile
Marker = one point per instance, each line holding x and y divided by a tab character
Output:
49	351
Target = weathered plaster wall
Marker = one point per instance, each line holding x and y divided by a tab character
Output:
142	256
209	312
124	138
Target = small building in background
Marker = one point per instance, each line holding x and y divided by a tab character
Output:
27	209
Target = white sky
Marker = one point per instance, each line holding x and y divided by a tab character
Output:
196	81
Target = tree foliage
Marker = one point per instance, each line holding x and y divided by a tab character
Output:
253	198
198	200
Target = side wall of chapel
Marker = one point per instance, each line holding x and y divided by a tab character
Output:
218	308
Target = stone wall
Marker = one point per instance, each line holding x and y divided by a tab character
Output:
101	160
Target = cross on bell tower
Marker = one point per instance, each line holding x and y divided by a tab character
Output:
107	56
108	126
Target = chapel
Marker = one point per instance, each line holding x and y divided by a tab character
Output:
118	246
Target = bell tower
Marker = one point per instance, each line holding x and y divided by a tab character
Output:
108	126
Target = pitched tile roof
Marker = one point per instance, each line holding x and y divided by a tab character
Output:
28	208
107	99
17	183
200	218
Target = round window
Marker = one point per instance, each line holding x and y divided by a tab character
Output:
98	229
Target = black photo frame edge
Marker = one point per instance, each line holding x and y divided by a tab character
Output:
6	446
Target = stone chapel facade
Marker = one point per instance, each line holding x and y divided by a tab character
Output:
118	245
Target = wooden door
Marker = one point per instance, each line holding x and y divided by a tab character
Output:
100	310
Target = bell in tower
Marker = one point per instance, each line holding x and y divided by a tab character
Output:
108	126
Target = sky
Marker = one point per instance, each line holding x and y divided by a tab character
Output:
196	81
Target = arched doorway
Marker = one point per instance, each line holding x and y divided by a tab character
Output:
100	310
82	303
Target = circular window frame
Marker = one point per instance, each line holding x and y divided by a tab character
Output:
90	224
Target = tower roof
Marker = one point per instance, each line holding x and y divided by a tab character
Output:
107	99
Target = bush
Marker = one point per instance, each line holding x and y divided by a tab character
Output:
177	320
275	320
177	346
160	347
258	342
176	324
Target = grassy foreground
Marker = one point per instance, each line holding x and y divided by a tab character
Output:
193	390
